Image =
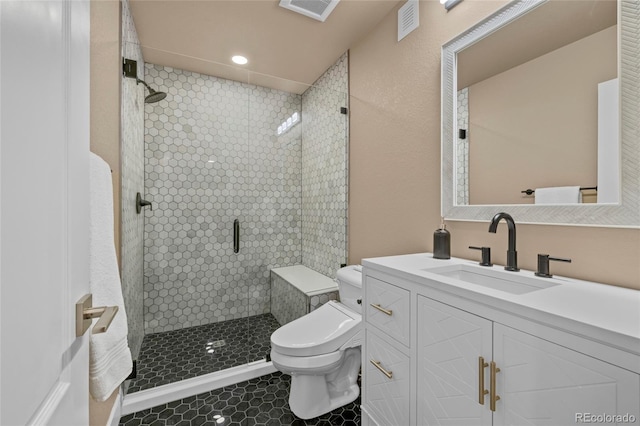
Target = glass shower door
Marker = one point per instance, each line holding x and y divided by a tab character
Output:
195	305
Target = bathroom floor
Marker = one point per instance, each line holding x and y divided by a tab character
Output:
261	401
181	354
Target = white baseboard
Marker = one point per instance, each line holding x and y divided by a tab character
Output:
163	394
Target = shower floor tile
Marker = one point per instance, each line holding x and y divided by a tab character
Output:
190	352
261	401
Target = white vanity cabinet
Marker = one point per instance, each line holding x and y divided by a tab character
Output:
463	359
457	357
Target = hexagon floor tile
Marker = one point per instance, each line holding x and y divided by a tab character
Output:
181	354
261	401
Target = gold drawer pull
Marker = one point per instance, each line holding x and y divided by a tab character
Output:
376	364
493	397
481	390
381	309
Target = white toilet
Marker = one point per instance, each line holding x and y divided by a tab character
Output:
321	351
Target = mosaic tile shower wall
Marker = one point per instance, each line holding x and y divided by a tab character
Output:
212	155
132	181
324	165
287	302
462	154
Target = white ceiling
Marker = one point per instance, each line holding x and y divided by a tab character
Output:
286	50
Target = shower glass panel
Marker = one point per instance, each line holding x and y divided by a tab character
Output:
242	178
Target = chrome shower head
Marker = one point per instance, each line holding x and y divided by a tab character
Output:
153	96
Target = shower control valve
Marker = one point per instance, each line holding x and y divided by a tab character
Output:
140	203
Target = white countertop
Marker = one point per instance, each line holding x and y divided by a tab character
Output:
609	308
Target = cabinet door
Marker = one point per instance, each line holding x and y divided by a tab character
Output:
450	341
541	383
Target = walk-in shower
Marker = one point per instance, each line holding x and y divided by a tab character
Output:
242	179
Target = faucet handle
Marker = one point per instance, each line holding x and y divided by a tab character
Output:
486	255
543	264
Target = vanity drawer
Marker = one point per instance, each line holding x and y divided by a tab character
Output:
386	398
388	308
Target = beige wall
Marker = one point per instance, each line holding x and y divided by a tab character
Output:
106	68
528	123
394	193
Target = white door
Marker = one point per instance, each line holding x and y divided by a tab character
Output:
44	146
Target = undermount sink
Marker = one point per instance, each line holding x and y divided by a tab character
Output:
497	279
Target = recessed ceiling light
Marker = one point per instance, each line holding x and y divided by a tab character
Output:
240	60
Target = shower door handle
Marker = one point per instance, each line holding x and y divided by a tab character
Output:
236	236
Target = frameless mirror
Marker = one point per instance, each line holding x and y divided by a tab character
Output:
522	115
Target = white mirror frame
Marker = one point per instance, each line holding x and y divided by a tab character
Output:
625	214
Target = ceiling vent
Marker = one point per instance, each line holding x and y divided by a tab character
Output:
408	18
316	9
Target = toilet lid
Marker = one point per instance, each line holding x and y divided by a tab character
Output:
320	332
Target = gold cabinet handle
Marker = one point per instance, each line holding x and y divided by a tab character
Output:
376	364
381	309
493	397
481	390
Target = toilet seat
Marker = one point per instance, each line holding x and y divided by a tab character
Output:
320	332
309	364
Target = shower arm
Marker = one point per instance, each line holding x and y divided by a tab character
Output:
138	81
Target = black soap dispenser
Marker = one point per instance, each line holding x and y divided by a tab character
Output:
442	242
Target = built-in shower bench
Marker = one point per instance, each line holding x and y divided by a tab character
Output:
298	290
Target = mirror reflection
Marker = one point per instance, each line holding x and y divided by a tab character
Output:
543	112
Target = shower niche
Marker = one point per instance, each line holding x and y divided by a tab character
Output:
242	179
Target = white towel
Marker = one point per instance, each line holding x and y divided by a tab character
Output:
110	358
559	195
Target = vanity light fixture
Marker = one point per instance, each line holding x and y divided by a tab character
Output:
240	60
450	4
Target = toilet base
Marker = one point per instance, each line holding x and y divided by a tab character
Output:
314	395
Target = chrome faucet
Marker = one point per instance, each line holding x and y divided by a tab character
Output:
512	254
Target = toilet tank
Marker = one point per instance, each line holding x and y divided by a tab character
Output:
349	281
